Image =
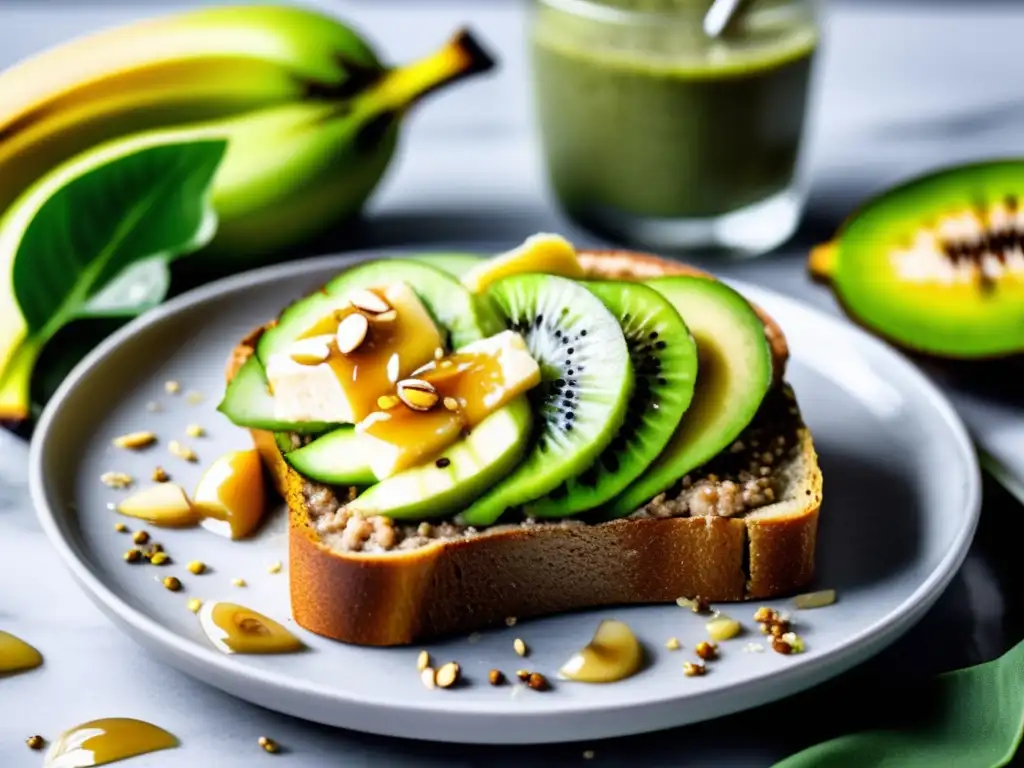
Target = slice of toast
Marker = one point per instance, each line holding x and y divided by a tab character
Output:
376	582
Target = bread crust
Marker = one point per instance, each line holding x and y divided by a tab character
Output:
464	585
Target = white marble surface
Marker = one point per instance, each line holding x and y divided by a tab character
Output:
902	90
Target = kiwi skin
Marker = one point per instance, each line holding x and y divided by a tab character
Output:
664	359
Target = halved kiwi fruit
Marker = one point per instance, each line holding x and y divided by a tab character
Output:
580	404
936	265
664	358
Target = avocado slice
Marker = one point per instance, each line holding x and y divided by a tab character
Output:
248	403
333	458
936	265
734	373
442	488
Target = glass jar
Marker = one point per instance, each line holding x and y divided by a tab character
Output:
658	136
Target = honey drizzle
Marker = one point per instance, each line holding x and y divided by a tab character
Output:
16	655
237	629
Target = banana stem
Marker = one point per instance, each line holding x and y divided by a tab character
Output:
462	56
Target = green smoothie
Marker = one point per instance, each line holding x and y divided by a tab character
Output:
641	114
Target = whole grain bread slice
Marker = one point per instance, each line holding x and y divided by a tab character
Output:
473	580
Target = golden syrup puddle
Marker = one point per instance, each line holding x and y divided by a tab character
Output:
237	629
99	742
613	654
16	655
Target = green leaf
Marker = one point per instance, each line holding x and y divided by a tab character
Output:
970	718
93	239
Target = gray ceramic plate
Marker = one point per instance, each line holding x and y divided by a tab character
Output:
901	504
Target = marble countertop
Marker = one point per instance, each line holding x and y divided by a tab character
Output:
901	88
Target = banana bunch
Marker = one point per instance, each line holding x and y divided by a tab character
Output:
310	113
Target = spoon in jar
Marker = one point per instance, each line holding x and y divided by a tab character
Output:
721	15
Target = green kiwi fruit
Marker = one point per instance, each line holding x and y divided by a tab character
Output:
664	358
936	265
586	383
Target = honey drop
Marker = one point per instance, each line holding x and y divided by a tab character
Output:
16	655
613	654
99	742
236	629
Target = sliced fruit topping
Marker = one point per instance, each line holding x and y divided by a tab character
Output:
464	471
937	264
165	505
735	374
424	414
231	496
586	382
343	359
337	458
248	403
541	253
454	264
664	358
459	315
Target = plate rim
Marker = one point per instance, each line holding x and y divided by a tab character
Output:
181	652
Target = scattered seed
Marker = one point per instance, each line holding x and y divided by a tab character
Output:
155	547
195	604
160	475
36	742
496	677
194	398
781	646
159	558
588	754
794	641
275	567
511	621
422	661
693	669
269	745
418	394
707	651
697	604
197	567
135	440
448	675
387	402
451	404
438	353
238	582
766	615
818	599
194	430
173	583
753	648
352	332
120	527
132	556
182	452
172	387
427	677
520	646
116	479
368	301
140	537
673	644
537	681
722	628
523	674
442	463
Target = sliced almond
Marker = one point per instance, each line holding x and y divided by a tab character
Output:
352	332
418	394
368	301
311	355
135	440
422	661
386	317
182	451
427	676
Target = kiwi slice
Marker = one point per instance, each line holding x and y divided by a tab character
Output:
586	382
664	358
936	265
